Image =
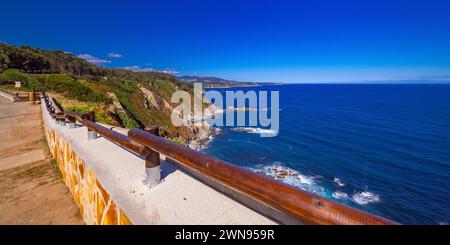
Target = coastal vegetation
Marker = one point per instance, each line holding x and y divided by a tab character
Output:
118	96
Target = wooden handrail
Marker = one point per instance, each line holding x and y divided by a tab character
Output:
8	92
116	137
75	114
301	205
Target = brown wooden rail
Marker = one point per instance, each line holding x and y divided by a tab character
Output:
301	205
7	91
116	137
89	122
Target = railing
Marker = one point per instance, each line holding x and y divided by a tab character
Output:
9	95
299	205
7	91
18	96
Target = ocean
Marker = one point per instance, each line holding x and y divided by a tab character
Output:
383	148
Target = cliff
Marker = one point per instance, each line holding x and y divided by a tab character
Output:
118	96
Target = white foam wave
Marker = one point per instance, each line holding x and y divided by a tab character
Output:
204	144
365	197
231	108
308	183
272	108
339	195
198	146
291	177
338	182
254	130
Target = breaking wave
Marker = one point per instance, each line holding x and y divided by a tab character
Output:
254	130
340	195
204	144
338	182
365	197
312	184
291	177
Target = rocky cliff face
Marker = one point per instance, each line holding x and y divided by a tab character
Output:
133	99
154	100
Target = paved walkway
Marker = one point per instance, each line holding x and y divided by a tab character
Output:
31	188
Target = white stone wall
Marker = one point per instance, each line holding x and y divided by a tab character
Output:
107	184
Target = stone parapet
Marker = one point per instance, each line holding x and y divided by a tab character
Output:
106	182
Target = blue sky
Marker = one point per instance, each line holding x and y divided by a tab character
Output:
273	41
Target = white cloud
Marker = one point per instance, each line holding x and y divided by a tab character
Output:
137	68
144	69
94	60
114	55
132	67
169	71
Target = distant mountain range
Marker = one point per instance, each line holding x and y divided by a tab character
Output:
215	82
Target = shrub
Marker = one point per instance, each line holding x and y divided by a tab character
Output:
127	122
29	82
70	87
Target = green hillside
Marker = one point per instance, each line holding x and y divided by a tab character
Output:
122	97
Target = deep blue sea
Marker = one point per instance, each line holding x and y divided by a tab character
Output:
381	148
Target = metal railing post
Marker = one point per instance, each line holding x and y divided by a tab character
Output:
152	161
33	95
63	121
153	129
152	169
71	121
58	121
90	116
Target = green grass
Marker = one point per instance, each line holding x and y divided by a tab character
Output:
88	93
158	118
56	169
70	87
177	141
130	103
164	87
29	82
128	122
100	116
59	83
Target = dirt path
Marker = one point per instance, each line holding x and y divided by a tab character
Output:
31	188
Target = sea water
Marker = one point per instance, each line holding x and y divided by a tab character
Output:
380	148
